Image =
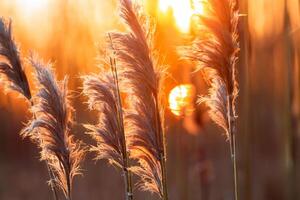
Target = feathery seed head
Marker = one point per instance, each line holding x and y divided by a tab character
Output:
216	54
12	74
51	126
140	77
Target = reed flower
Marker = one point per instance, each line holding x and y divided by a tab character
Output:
217	102
104	97
141	77
52	127
215	51
100	91
12	75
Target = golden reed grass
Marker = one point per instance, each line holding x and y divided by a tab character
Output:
51	127
103	93
12	74
137	133
141	79
215	51
52	113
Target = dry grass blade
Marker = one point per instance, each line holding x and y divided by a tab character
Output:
12	74
140	77
216	54
53	125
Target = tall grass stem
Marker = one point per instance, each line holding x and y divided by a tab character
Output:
126	171
232	138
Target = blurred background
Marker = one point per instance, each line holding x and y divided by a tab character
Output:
199	167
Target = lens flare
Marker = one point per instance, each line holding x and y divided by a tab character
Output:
181	100
183	10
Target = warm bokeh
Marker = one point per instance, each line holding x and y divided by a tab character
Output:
70	32
182	11
181	100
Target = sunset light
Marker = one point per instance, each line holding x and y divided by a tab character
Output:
183	10
181	99
150	99
29	6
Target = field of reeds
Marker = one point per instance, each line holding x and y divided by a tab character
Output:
150	99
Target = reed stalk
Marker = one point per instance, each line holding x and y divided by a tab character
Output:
215	51
12	74
104	96
126	170
162	157
51	125
141	78
232	139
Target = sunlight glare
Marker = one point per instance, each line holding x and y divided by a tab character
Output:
30	6
181	99
182	11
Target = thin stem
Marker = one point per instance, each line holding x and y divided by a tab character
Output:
164	176
232	138
128	181
128	185
127	173
69	197
161	142
234	162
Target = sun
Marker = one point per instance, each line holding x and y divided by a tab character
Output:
183	10
181	99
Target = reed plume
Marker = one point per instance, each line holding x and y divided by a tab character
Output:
140	78
12	75
215	50
104	97
51	126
